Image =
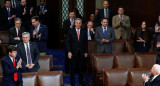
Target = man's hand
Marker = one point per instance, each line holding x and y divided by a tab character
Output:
19	63
16	38
34	32
104	40
145	77
85	55
38	36
69	55
158	44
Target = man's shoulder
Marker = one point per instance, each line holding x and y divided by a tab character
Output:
4	58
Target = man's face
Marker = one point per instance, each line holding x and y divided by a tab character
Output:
42	2
23	2
8	4
13	54
120	11
17	24
35	23
105	4
143	25
72	15
78	24
90	25
104	22
25	38
159	18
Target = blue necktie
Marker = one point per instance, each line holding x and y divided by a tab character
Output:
105	32
28	55
9	15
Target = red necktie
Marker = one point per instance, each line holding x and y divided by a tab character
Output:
78	34
18	32
15	74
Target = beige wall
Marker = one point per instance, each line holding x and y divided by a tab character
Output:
99	4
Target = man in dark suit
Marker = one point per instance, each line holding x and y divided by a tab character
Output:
77	48
12	68
39	34
67	25
42	12
29	52
25	13
7	14
90	30
154	79
104	36
106	12
15	33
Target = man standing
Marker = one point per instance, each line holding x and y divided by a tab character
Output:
15	33
39	34
106	12
77	48
15	3
154	79
121	25
104	36
12	67
25	13
29	52
7	14
67	25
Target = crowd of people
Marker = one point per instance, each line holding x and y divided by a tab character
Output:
28	33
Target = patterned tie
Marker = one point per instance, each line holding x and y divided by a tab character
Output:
9	15
28	55
78	33
104	31
15	74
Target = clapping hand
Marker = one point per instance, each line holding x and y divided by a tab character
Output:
19	63
145	77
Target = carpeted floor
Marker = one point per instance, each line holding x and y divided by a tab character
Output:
58	64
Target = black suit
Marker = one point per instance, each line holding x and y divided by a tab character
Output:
77	48
13	34
34	55
66	26
155	82
100	15
4	18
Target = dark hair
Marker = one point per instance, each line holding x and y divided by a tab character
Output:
103	19
41	0
146	33
11	48
36	18
71	11
6	1
120	7
105	0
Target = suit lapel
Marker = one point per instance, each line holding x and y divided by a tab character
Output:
31	49
155	79
40	28
10	61
75	34
101	32
24	51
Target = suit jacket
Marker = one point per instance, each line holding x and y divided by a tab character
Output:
72	43
42	42
66	26
9	70
4	18
34	55
155	82
100	15
17	3
99	35
43	17
13	33
121	29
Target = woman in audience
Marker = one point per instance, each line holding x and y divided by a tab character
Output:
142	38
156	31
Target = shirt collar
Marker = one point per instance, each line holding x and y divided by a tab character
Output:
122	15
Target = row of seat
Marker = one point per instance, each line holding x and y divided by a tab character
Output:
102	61
124	77
51	78
45	62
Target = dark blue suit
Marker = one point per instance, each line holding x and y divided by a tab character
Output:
34	55
9	70
42	42
77	48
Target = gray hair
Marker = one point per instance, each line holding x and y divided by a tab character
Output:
79	19
17	19
157	68
26	33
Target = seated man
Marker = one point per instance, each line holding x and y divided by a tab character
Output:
29	52
12	67
154	79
